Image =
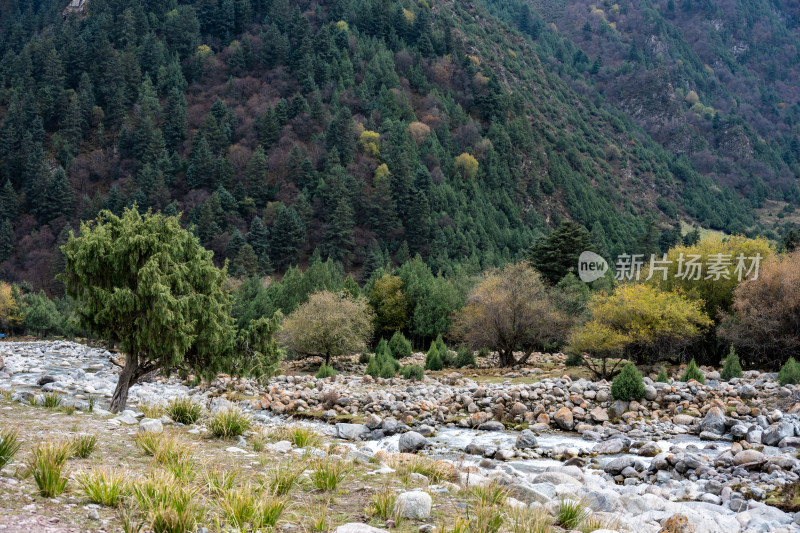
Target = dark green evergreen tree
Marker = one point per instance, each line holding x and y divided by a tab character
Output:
557	254
287	236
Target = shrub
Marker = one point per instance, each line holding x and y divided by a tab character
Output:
789	373
732	368
382	348
184	410
399	346
51	400
414	372
47	467
83	445
433	350
9	445
364	358
387	370
434	362
229	422
693	372
574	359
106	487
662	376
325	371
628	385
464	357
373	368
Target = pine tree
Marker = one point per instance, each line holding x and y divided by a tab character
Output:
175	125
6	240
341	135
557	254
59	198
286	237
418	223
338	239
8	202
258	239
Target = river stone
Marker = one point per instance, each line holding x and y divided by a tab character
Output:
127	419
649	449
616	466
599	414
609	447
747	392
683	420
526	440
678	523
556	478
563	418
44	380
753	457
650	393
372	421
540	492
776	433
738	431
426	430
150	425
411	441
604	501
357	527
714	421
415	505
475	448
492	425
351	431
620	406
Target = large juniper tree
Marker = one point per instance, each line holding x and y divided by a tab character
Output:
146	285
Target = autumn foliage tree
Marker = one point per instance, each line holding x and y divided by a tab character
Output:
511	310
145	284
765	325
329	324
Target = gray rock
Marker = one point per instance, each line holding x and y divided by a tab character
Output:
609	447
127	419
492	425
747	392
738	431
358	527
616	466
415	505
556	478
541	492
44	380
775	433
526	440
474	448
649	449
620	406
714	421
351	431
412	441
151	425
426	430
650	393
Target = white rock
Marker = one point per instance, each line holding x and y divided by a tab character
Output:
416	505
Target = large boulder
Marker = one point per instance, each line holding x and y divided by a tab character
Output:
749	458
351	431
599	415
619	464
526	440
563	418
492	425
714	421
415	505
609	447
775	433
151	425
412	441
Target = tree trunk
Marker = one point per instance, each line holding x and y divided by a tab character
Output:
127	378
506	358
328	359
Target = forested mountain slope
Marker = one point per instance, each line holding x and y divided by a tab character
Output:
371	130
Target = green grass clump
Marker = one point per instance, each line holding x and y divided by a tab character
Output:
169	505
413	372
490	494
789	373
248	510
283	477
527	520
693	372
628	385
83	445
218	481
184	410
364	358
47	467
299	436
51	400
465	358
325	371
382	504
486	519
732	367
103	486
229	422
435	471
151	409
571	514
9	445
329	473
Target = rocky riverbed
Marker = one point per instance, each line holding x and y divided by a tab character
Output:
713	453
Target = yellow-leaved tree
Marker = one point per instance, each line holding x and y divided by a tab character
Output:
638	322
10	314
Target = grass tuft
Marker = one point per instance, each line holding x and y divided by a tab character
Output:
527	520
382	504
219	481
284	477
249	510
51	400
229	422
9	445
490	494
486	519
571	513
47	466
83	445
436	471
151	409
299	436
106	487
329	473
184	410
169	505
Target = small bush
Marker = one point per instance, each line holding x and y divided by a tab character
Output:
382	348
574	359
387	370
373	368
328	474
51	400
83	445
732	368
662	376
465	357
184	410
628	385
399	346
789	373
325	371
693	372
106	487
433	361
229	422
414	372
47	467
9	445
364	358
